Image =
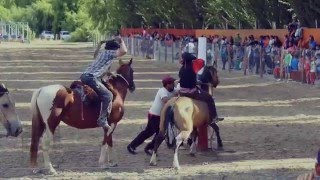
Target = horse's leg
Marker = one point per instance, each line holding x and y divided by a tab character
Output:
193	147
51	120
102	158
112	128
107	148
217	131
183	135
158	140
37	130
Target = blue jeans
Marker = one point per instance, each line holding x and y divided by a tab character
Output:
104	94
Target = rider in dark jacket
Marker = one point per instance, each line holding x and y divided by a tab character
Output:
188	84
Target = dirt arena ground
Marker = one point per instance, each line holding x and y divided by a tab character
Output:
271	129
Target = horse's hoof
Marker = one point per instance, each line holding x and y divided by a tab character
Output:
52	172
113	165
49	172
193	154
153	164
104	166
220	149
177	168
36	171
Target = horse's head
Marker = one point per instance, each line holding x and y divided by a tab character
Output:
210	75
126	71
9	118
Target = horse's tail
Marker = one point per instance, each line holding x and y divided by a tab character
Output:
38	127
169	118
168	126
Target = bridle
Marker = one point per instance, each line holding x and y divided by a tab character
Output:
6	121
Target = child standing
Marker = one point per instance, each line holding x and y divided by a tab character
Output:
287	64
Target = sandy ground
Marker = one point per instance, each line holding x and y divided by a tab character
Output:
270	130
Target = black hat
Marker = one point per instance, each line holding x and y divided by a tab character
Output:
188	58
112	45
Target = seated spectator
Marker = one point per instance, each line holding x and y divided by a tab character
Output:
315	174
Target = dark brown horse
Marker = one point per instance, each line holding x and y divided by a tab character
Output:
78	107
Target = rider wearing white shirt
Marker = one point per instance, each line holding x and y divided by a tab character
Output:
162	96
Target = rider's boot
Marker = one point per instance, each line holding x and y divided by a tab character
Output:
103	118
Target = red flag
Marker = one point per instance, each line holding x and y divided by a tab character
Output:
197	65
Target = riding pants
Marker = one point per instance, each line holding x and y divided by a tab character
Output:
104	94
151	129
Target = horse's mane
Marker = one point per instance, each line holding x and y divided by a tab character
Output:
3	89
206	73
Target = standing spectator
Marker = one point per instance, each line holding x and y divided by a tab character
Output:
190	47
237	40
312	43
210	57
313	71
277	42
256	57
307	68
287	63
317	62
286	41
224	53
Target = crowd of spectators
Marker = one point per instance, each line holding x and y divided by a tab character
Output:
267	50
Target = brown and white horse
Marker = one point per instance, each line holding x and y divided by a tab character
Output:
55	103
9	117
187	115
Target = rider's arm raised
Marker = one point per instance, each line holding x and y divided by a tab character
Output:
98	48
122	50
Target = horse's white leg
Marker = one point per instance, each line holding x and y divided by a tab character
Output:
180	138
153	160
107	148
111	161
45	148
102	158
193	148
44	102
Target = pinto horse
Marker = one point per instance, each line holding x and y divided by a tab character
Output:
187	115
78	107
9	117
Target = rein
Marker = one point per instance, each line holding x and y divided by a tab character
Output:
119	75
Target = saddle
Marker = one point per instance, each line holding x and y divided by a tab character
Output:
88	95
